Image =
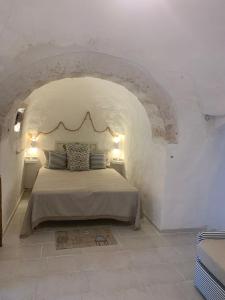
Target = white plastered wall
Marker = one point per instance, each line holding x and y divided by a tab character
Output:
68	100
180	43
11	167
175	180
215	216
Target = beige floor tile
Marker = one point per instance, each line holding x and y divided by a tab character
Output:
31	268
180	239
146	229
20	252
137	294
60	297
103	296
64	264
158	273
7	253
107	261
145	257
129	232
7	269
112	280
29	252
165	292
160	241
186	269
145	264
18	289
188	252
22	268
137	242
171	255
58	286
39	237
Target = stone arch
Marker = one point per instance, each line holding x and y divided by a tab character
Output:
59	64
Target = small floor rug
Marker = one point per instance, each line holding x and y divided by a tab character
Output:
84	237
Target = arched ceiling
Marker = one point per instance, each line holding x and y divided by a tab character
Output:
69	64
179	44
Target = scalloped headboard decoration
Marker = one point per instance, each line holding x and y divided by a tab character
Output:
86	117
61	123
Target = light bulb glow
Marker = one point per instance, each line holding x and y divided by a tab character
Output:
32	152
116	139
17	127
116	154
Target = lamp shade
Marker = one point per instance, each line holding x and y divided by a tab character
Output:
116	139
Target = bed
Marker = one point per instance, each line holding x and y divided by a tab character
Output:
94	194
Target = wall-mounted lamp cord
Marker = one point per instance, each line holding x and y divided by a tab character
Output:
87	116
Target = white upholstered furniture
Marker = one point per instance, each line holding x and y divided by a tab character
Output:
210	265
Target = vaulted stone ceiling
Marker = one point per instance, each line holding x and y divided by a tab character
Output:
164	50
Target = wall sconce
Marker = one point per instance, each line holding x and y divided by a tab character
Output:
19	119
17	127
116	152
117	139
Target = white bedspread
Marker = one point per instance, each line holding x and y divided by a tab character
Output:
94	194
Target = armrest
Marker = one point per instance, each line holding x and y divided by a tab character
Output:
216	235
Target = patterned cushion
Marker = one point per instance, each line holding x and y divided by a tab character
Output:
77	156
98	161
57	160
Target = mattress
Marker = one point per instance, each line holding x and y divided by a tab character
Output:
94	194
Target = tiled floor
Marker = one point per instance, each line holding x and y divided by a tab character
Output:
145	265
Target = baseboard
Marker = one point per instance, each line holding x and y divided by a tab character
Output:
13	213
183	230
177	230
150	221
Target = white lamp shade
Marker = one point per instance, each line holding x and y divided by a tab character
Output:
116	154
32	152
116	139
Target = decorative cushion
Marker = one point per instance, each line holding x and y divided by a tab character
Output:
77	157
98	161
57	160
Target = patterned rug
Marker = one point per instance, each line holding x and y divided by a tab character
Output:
84	237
